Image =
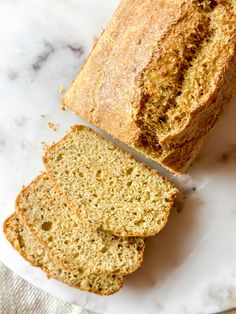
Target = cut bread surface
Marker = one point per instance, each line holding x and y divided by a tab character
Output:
107	188
60	231
32	251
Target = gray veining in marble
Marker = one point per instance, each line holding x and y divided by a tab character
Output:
190	266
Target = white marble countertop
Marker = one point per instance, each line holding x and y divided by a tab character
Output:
190	267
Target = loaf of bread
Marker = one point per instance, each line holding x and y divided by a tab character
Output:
60	231
107	188
32	251
160	76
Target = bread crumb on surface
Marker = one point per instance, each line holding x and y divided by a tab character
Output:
62	90
45	146
53	126
63	107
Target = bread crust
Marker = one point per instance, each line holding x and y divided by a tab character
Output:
202	120
33	262
107	91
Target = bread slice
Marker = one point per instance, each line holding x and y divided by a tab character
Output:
24	242
107	188
60	231
160	76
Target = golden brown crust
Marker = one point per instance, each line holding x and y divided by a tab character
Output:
203	119
175	191
106	101
107	91
48	274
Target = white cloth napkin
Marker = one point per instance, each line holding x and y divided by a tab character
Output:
17	296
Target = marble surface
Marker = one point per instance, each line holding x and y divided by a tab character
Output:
190	266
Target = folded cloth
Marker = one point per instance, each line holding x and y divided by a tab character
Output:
17	296
232	311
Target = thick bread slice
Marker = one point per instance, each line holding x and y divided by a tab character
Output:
60	231
107	187
160	76
24	242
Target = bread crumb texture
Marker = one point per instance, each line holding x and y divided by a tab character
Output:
60	231
107	188
24	242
